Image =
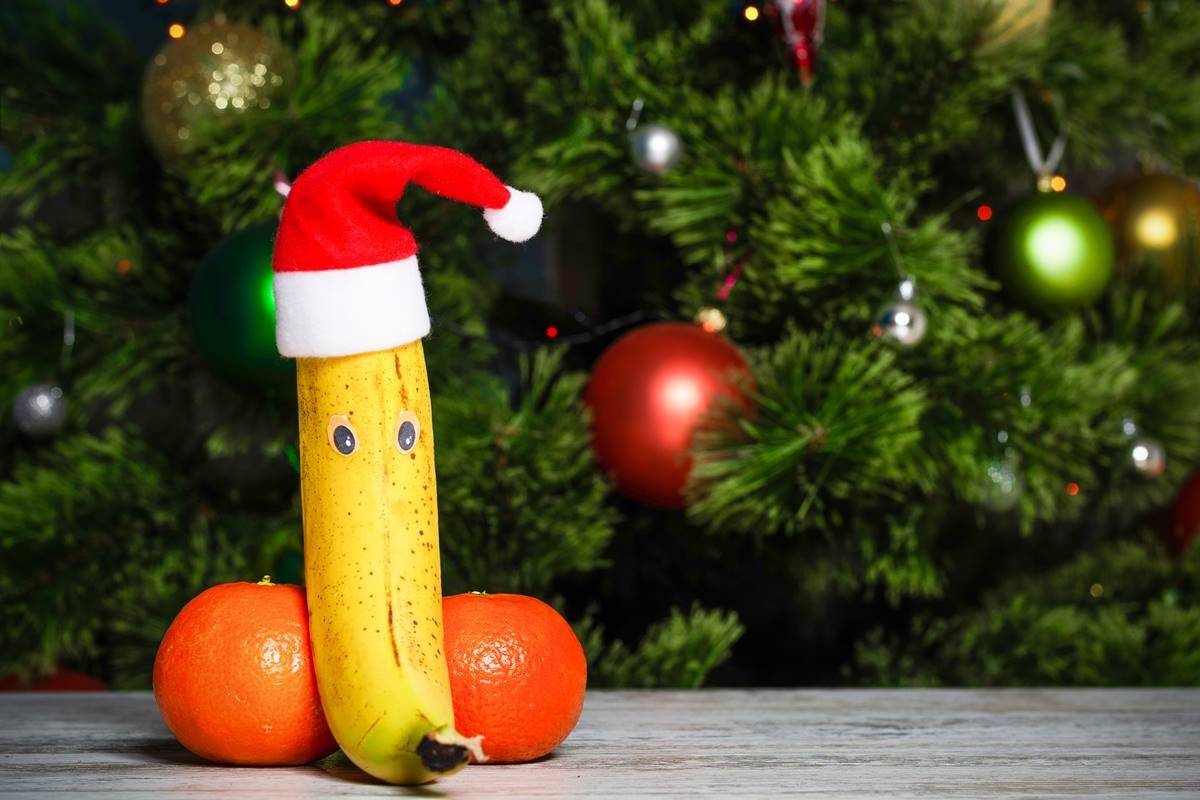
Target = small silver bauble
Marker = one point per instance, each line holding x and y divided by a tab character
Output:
902	322
1002	484
40	410
656	148
1149	457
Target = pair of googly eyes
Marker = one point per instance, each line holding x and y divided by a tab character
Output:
344	440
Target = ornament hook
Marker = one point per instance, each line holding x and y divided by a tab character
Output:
1042	167
635	114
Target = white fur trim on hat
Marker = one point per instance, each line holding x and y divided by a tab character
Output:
340	312
520	218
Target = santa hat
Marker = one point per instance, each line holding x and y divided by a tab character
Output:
346	277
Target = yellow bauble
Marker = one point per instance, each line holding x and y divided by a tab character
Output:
216	71
1015	20
1156	221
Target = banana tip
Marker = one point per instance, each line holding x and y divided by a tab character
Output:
447	751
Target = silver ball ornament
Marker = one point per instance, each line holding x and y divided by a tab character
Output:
902	322
656	148
1149	457
1003	484
40	410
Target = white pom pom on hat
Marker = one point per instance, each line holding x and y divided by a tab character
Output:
519	219
346	275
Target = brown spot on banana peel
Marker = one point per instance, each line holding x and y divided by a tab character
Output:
387	588
392	631
386	534
403	385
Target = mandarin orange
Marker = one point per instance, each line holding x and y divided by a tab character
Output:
234	678
517	673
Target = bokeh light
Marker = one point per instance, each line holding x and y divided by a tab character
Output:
711	320
1155	228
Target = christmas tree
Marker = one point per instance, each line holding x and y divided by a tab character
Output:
942	258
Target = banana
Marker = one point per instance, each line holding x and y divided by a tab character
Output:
350	308
372	564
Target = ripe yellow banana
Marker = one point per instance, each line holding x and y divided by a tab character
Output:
372	564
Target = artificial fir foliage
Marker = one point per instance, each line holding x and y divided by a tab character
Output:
1120	615
526	503
848	530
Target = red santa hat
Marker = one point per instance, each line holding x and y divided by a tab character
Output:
346	277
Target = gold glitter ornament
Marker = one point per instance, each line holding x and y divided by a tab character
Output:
1155	218
215	72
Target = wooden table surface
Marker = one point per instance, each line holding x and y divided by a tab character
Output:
707	743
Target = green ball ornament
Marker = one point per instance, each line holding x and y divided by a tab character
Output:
232	305
1052	251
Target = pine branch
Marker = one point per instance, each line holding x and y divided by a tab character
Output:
678	652
836	421
1120	616
520	498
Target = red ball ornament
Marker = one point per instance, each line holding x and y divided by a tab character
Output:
646	394
1185	519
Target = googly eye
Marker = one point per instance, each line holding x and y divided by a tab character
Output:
342	437
408	432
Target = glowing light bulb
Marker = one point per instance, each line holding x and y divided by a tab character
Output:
176	31
984	213
751	13
551	332
1156	228
1058	183
292	4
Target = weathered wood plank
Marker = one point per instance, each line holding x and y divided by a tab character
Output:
721	743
